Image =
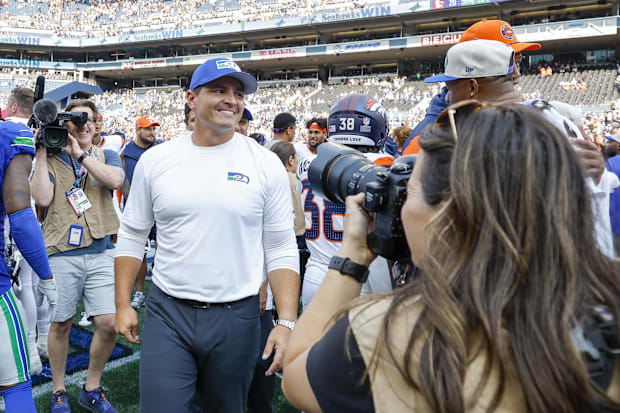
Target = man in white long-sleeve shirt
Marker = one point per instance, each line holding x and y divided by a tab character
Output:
222	206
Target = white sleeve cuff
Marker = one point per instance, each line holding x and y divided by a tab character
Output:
281	250
130	244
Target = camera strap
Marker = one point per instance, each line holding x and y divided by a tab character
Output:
596	340
403	272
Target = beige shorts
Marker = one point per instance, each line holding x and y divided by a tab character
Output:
90	276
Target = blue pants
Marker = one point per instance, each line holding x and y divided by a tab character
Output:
197	359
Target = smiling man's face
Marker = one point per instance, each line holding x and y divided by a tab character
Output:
219	104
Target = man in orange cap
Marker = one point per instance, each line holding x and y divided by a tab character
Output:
483	69
500	31
497	30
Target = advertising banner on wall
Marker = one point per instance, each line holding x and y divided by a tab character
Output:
602	26
220	26
285	53
445	4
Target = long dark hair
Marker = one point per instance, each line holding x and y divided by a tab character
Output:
511	259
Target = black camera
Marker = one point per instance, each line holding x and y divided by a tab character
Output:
339	171
49	121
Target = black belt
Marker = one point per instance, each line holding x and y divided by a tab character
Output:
205	305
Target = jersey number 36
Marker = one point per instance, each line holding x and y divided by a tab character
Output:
322	218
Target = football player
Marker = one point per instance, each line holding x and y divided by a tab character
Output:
360	123
317	133
17	150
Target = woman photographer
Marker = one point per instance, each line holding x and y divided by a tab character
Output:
496	218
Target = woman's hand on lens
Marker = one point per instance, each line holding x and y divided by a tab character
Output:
355	235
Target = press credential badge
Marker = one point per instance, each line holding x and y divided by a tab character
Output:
78	200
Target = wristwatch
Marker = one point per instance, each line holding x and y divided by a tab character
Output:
286	323
82	157
345	266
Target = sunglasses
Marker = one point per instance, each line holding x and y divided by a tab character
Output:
448	115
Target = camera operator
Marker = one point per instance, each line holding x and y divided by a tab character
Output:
501	312
73	185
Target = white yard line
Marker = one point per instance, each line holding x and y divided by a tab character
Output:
78	378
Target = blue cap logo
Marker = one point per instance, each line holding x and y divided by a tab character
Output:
227	64
214	69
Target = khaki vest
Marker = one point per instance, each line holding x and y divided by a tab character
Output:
100	220
390	391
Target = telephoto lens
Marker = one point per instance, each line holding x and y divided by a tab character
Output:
339	171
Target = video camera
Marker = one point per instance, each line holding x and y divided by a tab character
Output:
339	171
49	121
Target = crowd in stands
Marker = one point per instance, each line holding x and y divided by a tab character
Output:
121	108
405	103
606	122
100	18
563	64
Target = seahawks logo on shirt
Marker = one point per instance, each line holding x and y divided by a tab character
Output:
238	177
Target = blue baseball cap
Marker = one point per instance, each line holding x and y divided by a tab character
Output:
612	138
214	69
248	113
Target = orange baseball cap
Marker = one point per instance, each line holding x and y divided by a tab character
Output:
496	30
145	121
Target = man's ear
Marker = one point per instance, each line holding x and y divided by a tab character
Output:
474	87
191	97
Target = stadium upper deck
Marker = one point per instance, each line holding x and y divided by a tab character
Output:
315	39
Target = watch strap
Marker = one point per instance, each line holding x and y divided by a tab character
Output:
345	266
286	323
82	157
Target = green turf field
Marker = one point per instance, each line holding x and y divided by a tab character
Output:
121	382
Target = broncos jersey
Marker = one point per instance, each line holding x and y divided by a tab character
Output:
303	151
324	219
15	138
114	142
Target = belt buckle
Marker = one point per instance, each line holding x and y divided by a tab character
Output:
202	306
